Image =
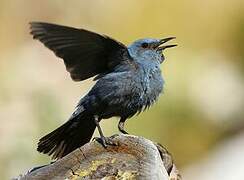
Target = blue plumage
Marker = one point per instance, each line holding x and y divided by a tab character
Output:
128	80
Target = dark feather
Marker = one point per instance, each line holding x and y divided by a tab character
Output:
85	53
71	135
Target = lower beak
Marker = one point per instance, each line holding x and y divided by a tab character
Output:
162	41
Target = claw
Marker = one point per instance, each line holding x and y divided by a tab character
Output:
100	141
105	141
114	136
110	141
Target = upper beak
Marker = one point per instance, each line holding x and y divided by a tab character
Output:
162	41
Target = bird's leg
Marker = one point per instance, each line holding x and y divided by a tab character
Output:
121	126
96	119
102	137
105	141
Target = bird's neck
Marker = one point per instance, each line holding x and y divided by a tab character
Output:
148	64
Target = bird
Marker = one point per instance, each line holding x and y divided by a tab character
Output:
127	79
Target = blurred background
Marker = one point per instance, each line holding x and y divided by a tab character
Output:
199	118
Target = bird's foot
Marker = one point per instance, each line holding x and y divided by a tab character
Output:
114	136
106	141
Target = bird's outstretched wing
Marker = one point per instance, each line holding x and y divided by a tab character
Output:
85	53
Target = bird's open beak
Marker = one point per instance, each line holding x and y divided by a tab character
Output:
162	41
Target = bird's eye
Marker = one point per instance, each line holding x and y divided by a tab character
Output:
144	45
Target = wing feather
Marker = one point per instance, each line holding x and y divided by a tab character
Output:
85	53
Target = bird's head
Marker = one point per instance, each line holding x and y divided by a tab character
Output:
149	49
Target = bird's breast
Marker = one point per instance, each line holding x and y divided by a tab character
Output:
125	93
152	85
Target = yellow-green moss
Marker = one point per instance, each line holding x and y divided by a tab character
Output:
93	167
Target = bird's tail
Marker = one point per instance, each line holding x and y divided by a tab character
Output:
71	135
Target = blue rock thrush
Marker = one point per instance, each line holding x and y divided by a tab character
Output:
128	80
